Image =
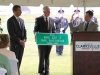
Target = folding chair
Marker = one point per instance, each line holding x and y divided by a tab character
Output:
13	65
3	71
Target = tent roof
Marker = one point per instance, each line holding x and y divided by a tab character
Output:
53	3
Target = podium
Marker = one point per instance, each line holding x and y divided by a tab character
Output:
86	53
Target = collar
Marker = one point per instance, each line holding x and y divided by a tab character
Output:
45	17
16	17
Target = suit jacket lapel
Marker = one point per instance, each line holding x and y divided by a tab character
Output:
44	23
16	22
82	27
49	24
43	20
21	24
90	25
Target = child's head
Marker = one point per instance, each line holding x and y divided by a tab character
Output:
4	40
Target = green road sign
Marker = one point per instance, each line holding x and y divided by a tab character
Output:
51	39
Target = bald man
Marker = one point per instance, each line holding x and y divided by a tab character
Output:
44	24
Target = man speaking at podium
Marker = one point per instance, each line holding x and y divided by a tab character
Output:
87	25
44	24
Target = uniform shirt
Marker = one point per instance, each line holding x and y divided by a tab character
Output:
4	63
94	19
77	21
61	23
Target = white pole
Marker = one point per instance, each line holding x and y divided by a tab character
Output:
84	4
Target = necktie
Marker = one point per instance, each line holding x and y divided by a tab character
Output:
18	19
86	27
46	23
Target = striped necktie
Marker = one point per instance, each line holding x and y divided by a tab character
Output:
18	19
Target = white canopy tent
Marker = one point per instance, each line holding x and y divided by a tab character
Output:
53	3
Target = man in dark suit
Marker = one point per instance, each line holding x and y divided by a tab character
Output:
17	32
44	24
61	25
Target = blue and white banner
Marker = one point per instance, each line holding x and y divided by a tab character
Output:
87	46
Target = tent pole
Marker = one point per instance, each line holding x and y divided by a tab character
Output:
84	5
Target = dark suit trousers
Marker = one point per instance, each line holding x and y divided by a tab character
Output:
18	50
44	52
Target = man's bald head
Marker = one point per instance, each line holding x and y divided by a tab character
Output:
46	11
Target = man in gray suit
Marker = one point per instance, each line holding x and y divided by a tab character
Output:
44	24
87	25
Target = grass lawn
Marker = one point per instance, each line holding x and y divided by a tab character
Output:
59	65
